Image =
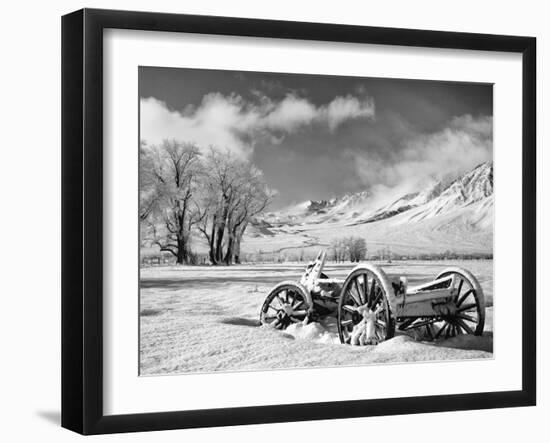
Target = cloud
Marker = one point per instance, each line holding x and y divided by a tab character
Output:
345	108
234	123
464	143
289	114
217	121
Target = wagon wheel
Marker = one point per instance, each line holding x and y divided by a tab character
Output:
364	313
469	315
287	303
464	315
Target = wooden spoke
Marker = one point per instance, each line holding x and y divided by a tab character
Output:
356	284
460	329
272	307
377	298
301	313
357	303
464	326
467	307
346	322
429	330
371	293
464	297
448	331
290	297
365	287
374	301
455	331
441	330
459	288
300	303
350	309
467	317
270	318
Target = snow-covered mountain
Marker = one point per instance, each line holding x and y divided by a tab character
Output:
441	198
347	207
454	214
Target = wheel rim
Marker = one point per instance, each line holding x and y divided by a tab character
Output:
284	306
363	300
460	315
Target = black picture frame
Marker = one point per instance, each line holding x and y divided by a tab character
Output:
82	220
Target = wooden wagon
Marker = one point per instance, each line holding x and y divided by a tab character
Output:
369	305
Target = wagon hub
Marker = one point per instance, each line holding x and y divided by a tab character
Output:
356	317
448	309
288	310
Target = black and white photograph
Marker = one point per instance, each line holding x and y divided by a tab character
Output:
294	220
243	222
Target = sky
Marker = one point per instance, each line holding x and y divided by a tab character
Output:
316	136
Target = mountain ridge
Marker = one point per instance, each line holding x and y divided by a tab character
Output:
464	189
451	214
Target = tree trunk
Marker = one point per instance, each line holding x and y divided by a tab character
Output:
219	233
212	256
237	244
181	257
229	252
237	251
212	240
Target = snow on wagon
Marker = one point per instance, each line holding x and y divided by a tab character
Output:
370	305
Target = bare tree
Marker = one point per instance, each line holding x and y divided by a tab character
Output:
149	185
353	248
169	178
338	249
218	194
356	248
233	193
254	197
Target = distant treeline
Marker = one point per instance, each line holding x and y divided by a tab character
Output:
304	255
434	256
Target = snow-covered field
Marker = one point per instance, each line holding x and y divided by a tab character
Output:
206	319
452	232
